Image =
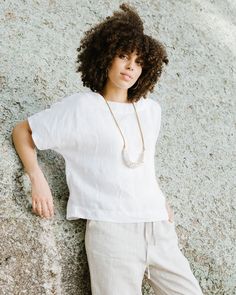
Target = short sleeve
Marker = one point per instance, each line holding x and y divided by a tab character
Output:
52	127
158	117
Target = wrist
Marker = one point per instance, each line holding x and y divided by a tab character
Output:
34	174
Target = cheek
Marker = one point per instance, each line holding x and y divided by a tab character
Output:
116	66
114	69
112	74
139	72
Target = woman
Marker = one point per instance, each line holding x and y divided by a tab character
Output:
107	137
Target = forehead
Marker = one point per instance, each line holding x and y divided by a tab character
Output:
128	52
134	53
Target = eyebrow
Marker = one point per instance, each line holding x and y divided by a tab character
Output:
129	54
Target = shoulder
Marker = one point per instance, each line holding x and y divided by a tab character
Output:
84	96
74	99
154	105
75	96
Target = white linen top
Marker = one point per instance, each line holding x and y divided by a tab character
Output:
81	128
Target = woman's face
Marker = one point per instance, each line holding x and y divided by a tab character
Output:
125	70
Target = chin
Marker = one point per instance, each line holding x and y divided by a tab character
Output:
123	87
126	86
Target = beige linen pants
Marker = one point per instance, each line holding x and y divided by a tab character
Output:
120	254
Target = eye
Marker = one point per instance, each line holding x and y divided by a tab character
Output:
139	62
123	56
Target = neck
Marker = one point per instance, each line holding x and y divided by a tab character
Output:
115	94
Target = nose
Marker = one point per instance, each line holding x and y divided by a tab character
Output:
131	62
130	66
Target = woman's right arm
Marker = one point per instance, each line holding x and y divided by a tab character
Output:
42	201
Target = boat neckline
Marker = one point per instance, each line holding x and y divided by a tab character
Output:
118	103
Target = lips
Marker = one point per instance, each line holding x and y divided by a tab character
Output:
127	75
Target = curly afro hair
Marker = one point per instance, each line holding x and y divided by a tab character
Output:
120	33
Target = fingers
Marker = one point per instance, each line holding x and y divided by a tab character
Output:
44	211
50	208
170	212
39	208
43	208
33	206
171	215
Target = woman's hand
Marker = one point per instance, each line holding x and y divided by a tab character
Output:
42	201
170	212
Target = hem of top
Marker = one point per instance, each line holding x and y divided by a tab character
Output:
119	221
118	218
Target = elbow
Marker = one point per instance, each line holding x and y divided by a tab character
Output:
14	132
16	129
22	132
19	127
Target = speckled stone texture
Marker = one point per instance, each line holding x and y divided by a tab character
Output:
195	154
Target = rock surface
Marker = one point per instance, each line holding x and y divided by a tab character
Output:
195	155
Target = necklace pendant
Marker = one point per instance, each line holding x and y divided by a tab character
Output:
130	163
125	155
